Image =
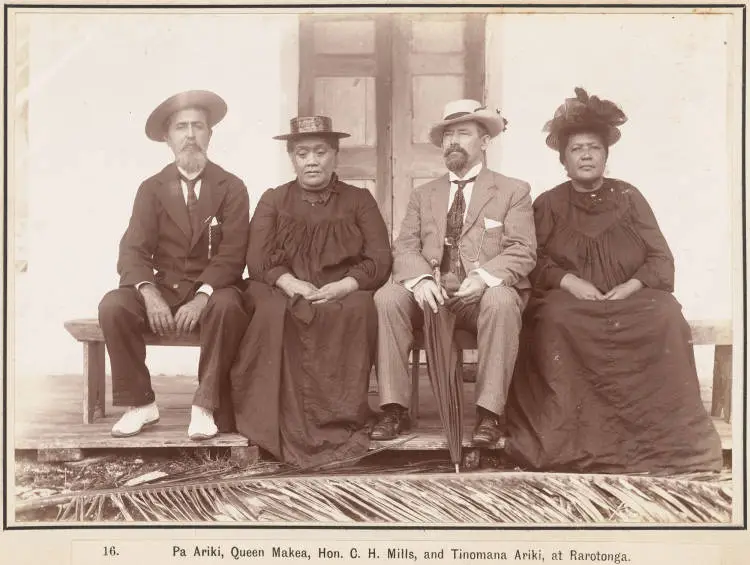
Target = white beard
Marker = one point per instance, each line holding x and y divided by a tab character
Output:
191	160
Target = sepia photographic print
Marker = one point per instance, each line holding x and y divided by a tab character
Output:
375	282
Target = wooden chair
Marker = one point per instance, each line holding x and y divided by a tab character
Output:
464	340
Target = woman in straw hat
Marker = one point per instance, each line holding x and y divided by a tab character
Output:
606	379
318	250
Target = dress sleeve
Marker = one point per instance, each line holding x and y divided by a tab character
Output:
547	274
266	261
657	271
375	266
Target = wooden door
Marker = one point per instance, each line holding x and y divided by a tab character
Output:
437	58
385	79
345	73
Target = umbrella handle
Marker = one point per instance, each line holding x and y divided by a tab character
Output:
435	271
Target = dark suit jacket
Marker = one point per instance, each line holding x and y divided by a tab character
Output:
157	246
498	233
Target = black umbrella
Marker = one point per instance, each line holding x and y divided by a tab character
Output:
442	368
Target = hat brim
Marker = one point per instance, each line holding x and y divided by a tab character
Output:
213	104
492	121
336	134
612	136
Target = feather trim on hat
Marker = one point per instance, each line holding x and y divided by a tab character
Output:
583	111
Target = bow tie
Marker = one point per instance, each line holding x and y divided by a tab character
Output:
462	183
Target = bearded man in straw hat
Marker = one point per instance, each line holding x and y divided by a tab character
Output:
476	226
180	260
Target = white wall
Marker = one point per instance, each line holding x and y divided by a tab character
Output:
669	74
94	80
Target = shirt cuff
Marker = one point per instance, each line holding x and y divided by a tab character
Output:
206	289
410	284
273	274
490	280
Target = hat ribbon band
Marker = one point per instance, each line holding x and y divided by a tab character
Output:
456	115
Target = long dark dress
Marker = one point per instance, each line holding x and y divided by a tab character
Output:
606	386
300	380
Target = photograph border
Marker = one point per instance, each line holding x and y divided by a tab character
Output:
739	442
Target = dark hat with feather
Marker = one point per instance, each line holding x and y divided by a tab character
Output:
585	113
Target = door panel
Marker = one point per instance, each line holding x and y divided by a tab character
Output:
344	36
429	95
385	79
434	61
345	74
352	101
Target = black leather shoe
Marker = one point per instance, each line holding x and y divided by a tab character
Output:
488	429
393	421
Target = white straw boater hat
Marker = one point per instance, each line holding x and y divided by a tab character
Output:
212	104
464	111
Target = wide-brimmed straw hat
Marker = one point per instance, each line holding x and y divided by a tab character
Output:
467	110
302	126
212	104
583	113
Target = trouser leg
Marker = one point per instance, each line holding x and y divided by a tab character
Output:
398	314
498	328
122	317
222	325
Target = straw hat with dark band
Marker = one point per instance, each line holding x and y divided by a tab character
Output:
212	104
459	111
311	125
584	113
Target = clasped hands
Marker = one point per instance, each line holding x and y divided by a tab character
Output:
584	290
337	290
428	293
159	314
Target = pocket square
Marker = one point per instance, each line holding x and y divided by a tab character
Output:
489	223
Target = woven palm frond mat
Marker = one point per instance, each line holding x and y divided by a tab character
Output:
408	498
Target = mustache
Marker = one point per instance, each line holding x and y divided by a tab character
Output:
192	145
455	147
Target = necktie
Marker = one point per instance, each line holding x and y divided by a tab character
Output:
458	208
192	202
454	226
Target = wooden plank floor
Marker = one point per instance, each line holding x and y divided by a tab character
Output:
48	416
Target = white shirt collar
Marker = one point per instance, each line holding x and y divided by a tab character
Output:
474	171
189	176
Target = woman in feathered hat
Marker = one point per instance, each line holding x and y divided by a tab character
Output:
606	378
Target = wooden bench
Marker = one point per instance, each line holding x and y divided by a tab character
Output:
88	332
705	332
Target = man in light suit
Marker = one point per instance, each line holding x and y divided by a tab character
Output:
180	262
478	226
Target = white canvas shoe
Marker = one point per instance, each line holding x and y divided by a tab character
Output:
202	425
135	419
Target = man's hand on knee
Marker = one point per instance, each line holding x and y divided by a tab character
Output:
188	315
428	293
159	315
471	289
